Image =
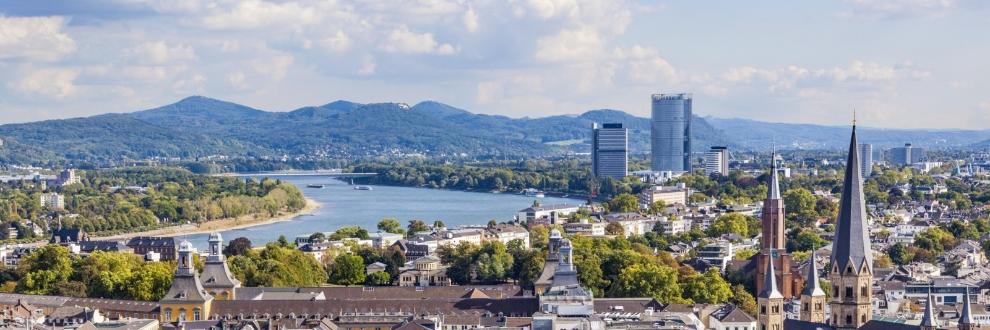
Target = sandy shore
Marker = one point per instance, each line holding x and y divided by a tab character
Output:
219	225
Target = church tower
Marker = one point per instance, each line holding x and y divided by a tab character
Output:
217	279
771	314
772	248
966	317
812	297
929	321
186	300
852	257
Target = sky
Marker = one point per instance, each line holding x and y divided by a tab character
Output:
899	63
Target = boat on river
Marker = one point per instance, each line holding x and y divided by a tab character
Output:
362	188
315	186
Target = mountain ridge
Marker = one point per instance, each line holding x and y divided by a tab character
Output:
199	126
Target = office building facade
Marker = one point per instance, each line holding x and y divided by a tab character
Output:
717	161
610	151
906	155
670	132
866	159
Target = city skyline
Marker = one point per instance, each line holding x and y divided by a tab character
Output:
528	58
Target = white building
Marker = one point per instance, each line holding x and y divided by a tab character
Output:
52	201
675	226
507	233
717	161
554	213
670	195
731	318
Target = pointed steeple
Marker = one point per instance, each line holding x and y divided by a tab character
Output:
852	241
929	321
812	286
770	284
773	191
966	317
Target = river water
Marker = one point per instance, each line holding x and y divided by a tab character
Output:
344	206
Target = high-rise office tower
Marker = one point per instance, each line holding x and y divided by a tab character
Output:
906	155
670	133
866	159
717	161
609	151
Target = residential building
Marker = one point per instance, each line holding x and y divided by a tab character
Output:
53	201
609	151
426	271
717	161
866	159
507	233
731	317
670	195
66	177
163	246
670	132
381	240
717	253
555	214
586	228
674	226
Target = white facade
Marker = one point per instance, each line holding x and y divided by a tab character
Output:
717	161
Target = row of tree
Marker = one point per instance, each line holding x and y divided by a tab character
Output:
52	270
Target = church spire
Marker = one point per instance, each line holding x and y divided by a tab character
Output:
770	284
929	321
851	247
966	317
812	287
773	190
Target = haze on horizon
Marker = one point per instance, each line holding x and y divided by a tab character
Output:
901	63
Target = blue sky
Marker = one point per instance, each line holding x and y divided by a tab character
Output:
902	64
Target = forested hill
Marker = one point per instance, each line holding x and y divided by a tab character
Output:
200	126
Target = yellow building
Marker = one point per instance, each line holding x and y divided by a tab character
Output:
186	300
216	277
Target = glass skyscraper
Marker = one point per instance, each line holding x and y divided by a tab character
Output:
609	151
670	133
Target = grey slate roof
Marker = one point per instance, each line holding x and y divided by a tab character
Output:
812	286
770	284
217	275
774	190
966	317
852	241
929	319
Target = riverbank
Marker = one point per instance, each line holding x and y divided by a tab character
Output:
219	225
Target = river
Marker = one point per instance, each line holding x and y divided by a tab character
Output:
344	206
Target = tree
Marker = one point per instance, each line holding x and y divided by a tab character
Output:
45	270
708	288
390	225
416	226
317	237
800	203
742	298
614	228
623	203
237	247
805	239
439	224
539	236
729	223
900	254
347	269
151	282
650	279
378	279
494	263
657	208
282	241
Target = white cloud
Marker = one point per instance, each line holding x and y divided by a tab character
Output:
857	75
471	20
336	43
402	40
570	45
367	66
273	68
645	65
55	83
34	38
160	52
237	80
252	14
877	9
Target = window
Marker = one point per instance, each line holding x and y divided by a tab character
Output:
763	309
863	291
806	307
863	318
835	291
182	314
849	292
196	314
849	319
168	314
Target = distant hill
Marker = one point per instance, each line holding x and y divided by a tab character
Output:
757	135
200	126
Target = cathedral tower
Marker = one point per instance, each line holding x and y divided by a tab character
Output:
771	314
812	297
772	247
852	257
